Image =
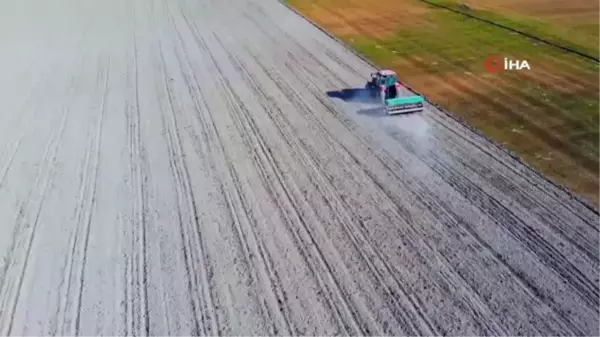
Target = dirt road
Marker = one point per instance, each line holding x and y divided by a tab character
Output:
177	167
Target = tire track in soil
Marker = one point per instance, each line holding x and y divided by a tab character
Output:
346	206
321	260
531	179
23	250
275	283
237	207
297	103
529	236
316	94
185	199
88	195
12	251
83	215
522	200
338	207
17	118
526	283
21	230
442	211
236	108
131	107
330	77
11	156
228	178
338	210
136	304
517	274
433	157
439	215
240	203
258	163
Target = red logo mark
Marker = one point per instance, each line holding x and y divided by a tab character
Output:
493	64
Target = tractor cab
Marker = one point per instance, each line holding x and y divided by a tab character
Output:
386	82
384	78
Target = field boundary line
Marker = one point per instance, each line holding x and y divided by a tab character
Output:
514	30
582	200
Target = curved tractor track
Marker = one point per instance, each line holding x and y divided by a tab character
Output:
177	167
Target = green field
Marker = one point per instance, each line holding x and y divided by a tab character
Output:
581	37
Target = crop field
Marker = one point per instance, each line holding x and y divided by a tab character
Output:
547	115
184	168
571	23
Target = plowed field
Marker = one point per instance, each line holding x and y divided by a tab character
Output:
176	167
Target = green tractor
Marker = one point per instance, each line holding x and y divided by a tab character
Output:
385	83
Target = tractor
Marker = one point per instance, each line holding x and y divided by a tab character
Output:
385	83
